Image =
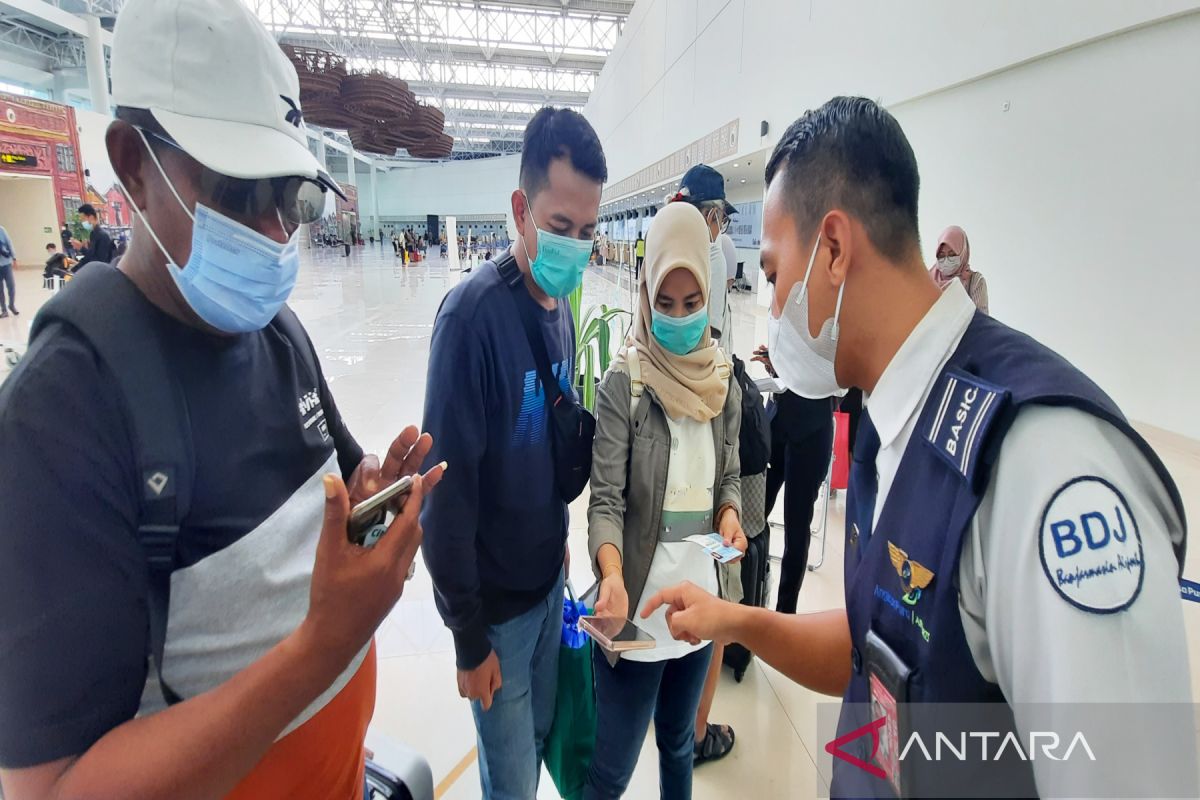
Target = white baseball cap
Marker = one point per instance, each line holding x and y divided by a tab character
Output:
217	82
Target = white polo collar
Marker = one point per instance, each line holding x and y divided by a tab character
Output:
916	365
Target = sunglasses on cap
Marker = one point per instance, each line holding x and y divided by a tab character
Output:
299	200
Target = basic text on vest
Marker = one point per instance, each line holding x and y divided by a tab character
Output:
960	417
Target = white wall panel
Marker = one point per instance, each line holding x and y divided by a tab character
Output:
1081	201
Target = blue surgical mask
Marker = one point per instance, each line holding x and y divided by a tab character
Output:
87	226
236	279
679	335
560	262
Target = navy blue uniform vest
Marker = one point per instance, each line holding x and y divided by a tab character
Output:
902	576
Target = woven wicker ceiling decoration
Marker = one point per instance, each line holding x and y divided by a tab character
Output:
378	112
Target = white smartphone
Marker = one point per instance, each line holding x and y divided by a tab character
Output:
368	519
617	635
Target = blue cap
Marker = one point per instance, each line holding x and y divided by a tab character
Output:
701	183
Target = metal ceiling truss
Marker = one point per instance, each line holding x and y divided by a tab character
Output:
105	9
488	65
55	50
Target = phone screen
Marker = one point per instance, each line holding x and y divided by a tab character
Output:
616	634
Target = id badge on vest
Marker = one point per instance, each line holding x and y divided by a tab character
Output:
887	676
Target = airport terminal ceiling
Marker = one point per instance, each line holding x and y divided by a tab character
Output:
487	66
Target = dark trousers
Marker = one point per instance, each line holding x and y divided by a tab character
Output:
627	695
6	279
801	464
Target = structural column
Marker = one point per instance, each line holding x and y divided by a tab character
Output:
351	177
322	153
375	219
97	73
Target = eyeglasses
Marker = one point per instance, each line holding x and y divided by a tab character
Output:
722	220
299	200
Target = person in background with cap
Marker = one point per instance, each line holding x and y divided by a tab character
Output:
267	680
1011	542
704	187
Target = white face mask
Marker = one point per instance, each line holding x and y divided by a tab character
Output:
805	364
949	265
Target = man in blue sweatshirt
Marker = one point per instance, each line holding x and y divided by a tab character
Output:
496	531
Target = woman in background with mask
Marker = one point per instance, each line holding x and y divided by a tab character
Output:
664	467
954	261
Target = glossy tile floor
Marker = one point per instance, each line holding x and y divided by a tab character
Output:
371	320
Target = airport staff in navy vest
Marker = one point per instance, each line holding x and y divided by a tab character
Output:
1010	539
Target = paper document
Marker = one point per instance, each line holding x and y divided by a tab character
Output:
715	546
769	384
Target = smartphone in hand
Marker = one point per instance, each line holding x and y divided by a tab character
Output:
368	519
617	635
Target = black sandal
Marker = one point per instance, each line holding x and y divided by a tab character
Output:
718	741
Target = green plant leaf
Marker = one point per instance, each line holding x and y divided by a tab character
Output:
589	383
603	343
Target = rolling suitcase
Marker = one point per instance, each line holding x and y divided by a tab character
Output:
756	591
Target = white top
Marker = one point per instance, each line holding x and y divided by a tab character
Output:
730	251
1033	630
717	295
690	470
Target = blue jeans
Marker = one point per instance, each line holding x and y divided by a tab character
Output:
6	279
513	732
626	697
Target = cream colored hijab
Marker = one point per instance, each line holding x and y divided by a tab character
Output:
690	385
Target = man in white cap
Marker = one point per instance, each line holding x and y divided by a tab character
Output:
182	613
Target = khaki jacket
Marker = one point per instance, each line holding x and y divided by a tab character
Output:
629	478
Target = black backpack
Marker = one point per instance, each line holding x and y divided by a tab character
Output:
754	442
125	331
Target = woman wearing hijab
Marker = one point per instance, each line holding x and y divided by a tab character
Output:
954	262
664	467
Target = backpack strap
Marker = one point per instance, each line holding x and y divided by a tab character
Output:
724	368
125	331
636	387
287	323
510	273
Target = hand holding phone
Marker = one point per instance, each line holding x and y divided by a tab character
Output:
367	520
617	634
354	588
763	356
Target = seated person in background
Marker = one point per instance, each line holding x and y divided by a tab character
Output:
637	525
100	245
56	263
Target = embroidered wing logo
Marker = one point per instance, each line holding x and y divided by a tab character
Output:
913	576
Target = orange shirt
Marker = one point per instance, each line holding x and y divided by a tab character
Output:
323	759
